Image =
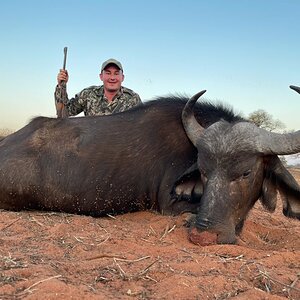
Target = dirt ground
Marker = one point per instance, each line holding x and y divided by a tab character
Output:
145	255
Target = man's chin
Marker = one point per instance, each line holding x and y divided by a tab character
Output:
112	89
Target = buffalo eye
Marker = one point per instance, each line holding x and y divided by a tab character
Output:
246	174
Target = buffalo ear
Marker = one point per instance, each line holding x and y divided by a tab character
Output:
280	179
268	196
188	186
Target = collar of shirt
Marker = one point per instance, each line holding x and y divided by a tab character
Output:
100	93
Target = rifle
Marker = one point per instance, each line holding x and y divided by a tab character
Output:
62	99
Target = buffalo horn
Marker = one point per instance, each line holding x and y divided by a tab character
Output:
280	144
270	143
295	88
192	128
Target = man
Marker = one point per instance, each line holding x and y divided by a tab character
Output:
109	98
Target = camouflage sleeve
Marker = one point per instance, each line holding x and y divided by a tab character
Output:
60	94
74	105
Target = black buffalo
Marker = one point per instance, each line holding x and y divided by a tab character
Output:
169	155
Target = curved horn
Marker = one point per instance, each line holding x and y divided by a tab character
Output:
267	142
192	128
280	143
295	88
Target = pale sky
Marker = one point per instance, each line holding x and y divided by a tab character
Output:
243	52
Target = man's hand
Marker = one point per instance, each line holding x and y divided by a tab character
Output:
62	76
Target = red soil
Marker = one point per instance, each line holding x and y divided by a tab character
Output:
145	255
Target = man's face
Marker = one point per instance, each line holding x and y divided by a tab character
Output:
112	78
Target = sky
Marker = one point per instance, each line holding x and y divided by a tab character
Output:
245	53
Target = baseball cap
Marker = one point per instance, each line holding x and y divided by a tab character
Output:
111	61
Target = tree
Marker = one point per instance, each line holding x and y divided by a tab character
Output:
265	120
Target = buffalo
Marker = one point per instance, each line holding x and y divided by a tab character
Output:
171	154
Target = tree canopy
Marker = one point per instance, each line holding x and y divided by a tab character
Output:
263	119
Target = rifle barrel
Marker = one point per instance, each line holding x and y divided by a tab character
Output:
65	57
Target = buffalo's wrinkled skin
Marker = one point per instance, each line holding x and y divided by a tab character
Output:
208	161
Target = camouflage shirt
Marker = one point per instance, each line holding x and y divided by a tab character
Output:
92	101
